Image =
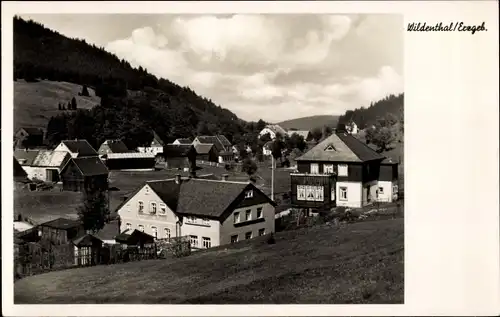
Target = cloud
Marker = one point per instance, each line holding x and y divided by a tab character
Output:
274	67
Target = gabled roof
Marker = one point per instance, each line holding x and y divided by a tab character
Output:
200	197
210	139
202	148
32	131
184	141
62	223
86	240
157	141
115	146
82	147
276	129
177	150
134	237
341	147
46	158
89	166
222	138
26	157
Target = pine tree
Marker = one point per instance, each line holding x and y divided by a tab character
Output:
85	91
73	103
94	212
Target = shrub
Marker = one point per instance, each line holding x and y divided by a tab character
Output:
271	239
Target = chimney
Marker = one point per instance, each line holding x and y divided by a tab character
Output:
178	178
224	177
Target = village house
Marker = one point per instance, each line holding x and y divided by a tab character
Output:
209	212
181	157
155	147
84	173
267	148
77	148
341	171
222	146
112	146
183	141
42	165
352	127
132	161
206	152
273	130
303	133
28	137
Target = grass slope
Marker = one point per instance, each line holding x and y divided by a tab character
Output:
35	103
358	263
309	123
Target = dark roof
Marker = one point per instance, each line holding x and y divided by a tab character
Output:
82	147
341	147
28	156
110	231
156	139
177	150
202	148
222	138
226	153
389	161
210	139
184	141
134	237
19	171
33	131
62	223
86	240
89	166
115	146
200	197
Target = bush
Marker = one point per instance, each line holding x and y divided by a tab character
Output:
271	239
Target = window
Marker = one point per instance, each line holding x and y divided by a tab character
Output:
381	190
318	193
190	219
141	228
309	193
314	168
248	215
343	193
167	233
343	169
163	209
234	239
301	192
207	243
332	194
147	190
129	226
236	217
155	232
206	222
330	148
152	208
140	206
259	212
249	194
328	169
248	235
262	232
193	240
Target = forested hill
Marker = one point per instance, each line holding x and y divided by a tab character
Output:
43	54
365	117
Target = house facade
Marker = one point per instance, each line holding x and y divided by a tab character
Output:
43	165
28	137
208	212
222	146
156	146
273	130
352	128
181	157
341	171
206	152
58	231
77	148
84	173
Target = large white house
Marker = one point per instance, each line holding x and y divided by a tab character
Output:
208	212
273	130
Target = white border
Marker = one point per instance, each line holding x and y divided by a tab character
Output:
451	160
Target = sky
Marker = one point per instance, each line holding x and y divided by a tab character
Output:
271	67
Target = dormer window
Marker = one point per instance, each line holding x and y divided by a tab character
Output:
249	194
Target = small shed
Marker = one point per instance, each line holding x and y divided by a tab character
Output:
135	238
87	250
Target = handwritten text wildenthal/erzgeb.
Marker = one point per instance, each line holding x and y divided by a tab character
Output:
441	27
